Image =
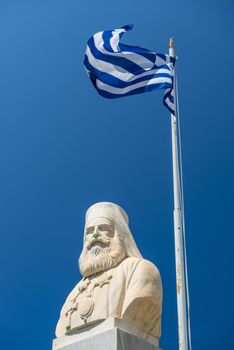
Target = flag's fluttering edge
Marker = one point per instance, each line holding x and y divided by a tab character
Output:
118	70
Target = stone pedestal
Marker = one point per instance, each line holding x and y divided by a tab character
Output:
111	334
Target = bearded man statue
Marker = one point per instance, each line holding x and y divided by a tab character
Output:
117	282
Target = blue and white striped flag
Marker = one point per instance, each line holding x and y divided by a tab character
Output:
118	70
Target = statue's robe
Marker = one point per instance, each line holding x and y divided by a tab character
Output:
131	291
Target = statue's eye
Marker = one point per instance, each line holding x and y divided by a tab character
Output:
89	230
104	228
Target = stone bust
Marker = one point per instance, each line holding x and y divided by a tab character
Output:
117	282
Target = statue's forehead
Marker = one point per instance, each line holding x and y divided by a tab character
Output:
99	221
106	210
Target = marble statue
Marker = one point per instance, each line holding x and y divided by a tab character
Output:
117	282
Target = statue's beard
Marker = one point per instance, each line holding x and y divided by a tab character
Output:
101	256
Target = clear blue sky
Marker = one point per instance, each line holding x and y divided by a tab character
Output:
63	147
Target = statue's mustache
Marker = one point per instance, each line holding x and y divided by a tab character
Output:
102	241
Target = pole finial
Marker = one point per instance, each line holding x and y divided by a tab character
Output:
171	43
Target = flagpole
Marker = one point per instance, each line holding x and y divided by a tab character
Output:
178	228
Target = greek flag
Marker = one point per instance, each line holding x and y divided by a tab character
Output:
118	70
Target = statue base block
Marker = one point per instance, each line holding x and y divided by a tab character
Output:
108	335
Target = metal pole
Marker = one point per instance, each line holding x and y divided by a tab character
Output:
178	233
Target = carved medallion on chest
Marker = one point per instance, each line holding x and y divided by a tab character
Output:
86	308
86	305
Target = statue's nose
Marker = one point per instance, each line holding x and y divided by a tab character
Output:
95	232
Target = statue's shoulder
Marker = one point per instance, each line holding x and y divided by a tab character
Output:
143	286
73	292
134	265
71	296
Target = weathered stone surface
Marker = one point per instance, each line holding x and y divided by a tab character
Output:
107	337
118	283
